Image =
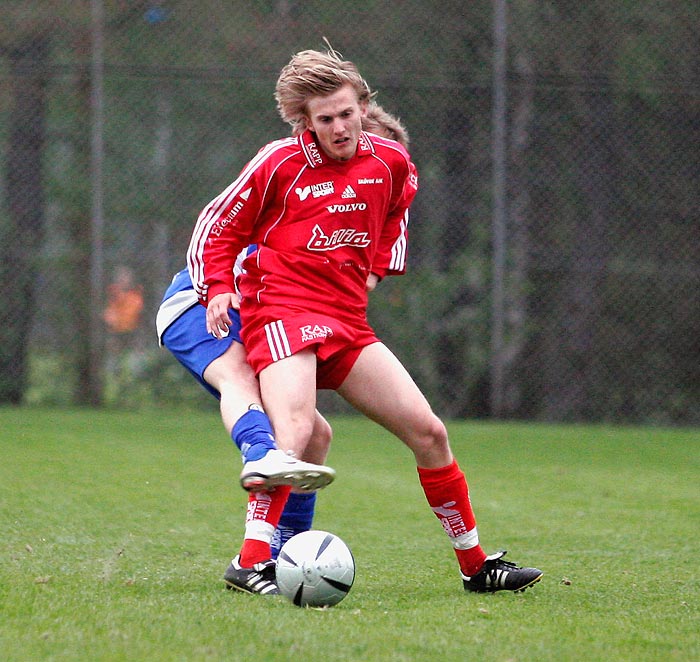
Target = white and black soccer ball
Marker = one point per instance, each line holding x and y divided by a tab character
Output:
315	569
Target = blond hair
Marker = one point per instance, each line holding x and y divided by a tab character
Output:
313	73
384	124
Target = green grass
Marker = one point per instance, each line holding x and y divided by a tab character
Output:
115	529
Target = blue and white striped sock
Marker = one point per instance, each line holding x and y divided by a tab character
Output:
297	516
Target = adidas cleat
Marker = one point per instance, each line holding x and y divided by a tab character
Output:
258	579
280	468
499	575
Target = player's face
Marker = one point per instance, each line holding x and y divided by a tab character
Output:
336	120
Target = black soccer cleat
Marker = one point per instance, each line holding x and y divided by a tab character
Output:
259	579
499	575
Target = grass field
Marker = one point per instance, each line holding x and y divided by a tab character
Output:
116	528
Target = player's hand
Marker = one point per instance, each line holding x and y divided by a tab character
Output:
218	320
372	281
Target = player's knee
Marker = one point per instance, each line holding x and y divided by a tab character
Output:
304	429
323	432
431	439
295	434
320	442
437	433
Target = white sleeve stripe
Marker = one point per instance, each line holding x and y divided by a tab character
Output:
398	250
210	213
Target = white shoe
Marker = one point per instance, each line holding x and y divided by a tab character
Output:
280	468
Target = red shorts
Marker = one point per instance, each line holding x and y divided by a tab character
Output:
279	333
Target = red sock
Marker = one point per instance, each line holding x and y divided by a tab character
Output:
264	512
448	495
253	551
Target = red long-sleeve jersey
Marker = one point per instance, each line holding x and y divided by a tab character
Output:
321	225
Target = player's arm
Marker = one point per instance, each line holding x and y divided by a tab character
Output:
390	259
222	230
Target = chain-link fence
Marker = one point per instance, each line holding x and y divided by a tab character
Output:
554	262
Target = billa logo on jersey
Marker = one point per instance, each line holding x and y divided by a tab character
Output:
338	238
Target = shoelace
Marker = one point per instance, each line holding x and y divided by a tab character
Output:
492	566
501	564
268	572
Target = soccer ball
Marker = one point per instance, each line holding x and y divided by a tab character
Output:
315	569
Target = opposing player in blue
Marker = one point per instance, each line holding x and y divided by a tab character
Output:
220	366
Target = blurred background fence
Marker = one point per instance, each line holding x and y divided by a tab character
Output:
554	264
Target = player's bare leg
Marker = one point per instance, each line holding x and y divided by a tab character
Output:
233	377
289	393
379	386
289	389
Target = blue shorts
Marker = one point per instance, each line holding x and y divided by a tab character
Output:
188	341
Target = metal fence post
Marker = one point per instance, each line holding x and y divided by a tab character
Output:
498	142
97	224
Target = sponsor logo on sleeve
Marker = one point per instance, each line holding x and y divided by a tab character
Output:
232	213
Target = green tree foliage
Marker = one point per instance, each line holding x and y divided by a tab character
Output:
602	230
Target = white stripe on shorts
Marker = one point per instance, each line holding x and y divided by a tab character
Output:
277	340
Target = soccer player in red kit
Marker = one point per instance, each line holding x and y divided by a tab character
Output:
328	211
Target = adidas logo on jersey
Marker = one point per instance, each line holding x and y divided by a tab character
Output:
349	192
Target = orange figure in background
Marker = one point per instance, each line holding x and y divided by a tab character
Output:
124	303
